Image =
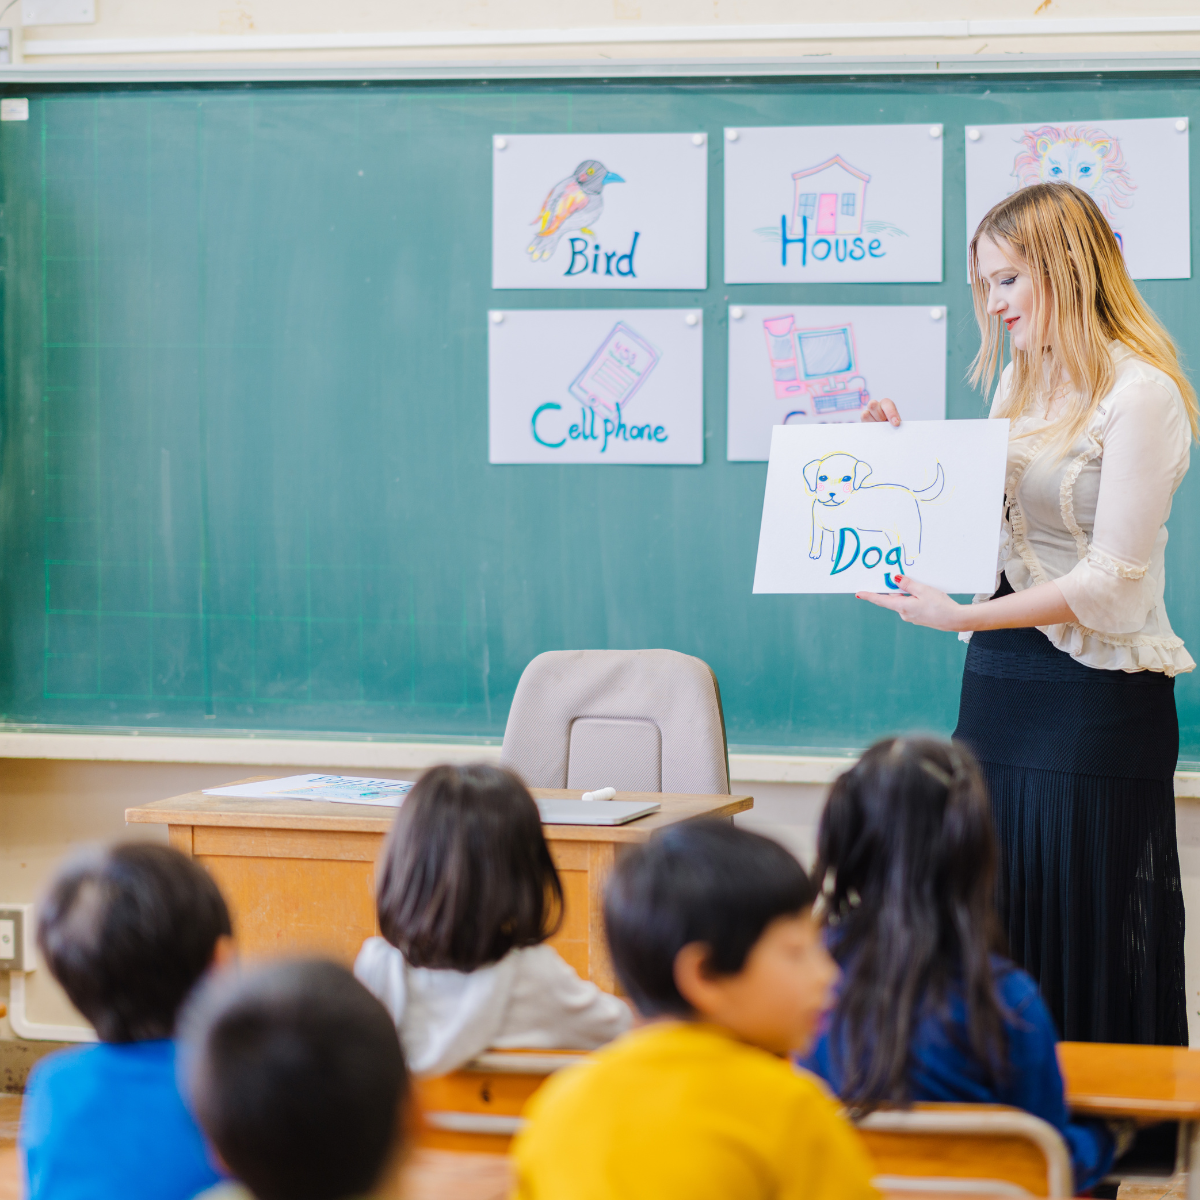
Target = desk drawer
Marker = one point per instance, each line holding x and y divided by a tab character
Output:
285	843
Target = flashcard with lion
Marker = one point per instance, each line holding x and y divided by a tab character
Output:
1136	171
849	507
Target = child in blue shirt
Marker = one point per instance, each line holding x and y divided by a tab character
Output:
927	1009
127	932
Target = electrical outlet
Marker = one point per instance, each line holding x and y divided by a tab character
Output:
16	937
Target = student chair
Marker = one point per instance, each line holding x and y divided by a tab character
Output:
967	1148
477	1109
635	720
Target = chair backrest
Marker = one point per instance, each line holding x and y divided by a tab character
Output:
477	1109
939	1147
944	1149
636	720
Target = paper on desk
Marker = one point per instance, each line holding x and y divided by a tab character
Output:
340	789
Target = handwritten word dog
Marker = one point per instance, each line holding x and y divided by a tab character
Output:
842	500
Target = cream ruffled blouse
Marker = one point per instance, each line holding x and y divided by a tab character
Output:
1095	520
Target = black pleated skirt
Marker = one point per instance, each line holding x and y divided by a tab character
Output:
1080	765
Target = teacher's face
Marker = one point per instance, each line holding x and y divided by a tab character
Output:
1010	289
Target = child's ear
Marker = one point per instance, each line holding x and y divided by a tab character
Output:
224	953
693	975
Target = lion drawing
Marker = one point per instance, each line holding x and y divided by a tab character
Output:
1078	154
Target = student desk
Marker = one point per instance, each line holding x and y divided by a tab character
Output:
1148	1083
299	875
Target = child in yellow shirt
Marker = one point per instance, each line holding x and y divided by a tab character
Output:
713	939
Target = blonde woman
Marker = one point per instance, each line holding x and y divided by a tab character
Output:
1068	689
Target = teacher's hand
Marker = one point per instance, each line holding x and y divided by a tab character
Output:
921	604
881	410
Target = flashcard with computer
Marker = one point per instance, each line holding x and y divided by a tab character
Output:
818	364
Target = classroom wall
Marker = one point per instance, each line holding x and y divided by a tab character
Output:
49	806
922	27
46	807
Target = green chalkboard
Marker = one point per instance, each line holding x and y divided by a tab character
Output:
243	431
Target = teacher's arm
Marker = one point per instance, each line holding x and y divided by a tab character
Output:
923	604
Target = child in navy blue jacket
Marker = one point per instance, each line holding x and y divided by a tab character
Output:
927	1009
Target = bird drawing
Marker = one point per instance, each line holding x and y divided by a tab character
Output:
574	203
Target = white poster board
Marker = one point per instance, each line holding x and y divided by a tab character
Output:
847	507
833	204
793	364
599	385
600	210
1137	171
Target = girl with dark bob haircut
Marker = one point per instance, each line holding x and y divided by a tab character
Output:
467	897
927	1008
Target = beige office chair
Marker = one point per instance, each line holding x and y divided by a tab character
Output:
636	720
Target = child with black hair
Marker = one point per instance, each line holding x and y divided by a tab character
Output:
927	1009
713	937
467	896
296	1075
127	931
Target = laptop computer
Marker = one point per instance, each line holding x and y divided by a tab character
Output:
594	812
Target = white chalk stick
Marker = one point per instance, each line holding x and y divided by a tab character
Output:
602	794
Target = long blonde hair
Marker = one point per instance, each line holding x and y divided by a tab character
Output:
1084	300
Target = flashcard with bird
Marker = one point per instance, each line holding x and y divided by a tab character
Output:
624	211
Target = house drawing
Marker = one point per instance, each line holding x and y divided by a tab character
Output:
832	196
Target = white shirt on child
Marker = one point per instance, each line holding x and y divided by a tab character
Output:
530	999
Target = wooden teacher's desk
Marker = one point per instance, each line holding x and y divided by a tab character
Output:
299	875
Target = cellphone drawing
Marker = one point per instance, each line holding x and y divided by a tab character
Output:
573	203
867	523
1084	155
616	371
814	370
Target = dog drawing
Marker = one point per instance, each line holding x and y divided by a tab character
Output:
842	500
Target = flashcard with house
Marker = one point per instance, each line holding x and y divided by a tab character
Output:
848	508
833	204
